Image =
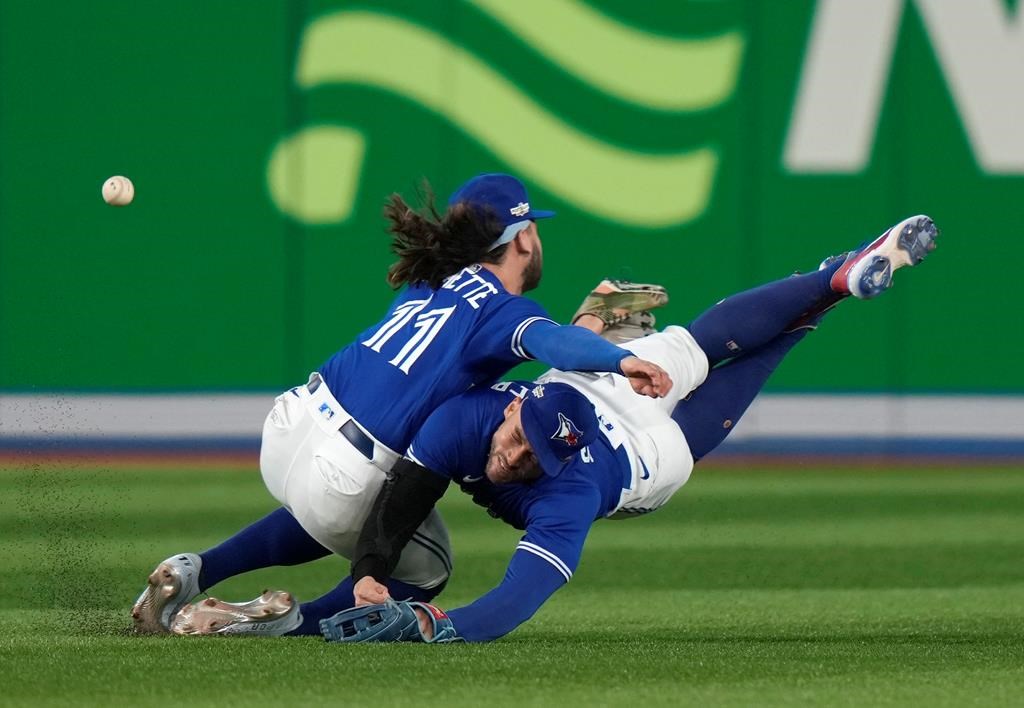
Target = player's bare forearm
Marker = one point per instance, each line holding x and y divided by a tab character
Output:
592	322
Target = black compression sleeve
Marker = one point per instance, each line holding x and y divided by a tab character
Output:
406	499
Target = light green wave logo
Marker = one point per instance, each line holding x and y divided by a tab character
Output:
623	62
313	175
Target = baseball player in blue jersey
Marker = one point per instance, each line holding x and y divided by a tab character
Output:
327	445
552	457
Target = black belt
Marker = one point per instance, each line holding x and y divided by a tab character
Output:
352	432
360	440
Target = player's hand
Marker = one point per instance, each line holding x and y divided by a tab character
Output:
646	378
368	591
426	626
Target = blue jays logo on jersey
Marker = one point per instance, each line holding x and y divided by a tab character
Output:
567	431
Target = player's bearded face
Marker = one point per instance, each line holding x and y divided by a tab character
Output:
534	268
511	459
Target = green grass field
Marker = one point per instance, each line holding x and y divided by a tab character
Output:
767	587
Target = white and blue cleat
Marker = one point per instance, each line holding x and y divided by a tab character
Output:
273	614
867	272
169	588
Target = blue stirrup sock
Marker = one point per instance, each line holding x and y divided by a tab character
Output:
711	412
748	320
276	539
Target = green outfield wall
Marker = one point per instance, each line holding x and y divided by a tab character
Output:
707	145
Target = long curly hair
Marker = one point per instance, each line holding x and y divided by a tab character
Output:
431	246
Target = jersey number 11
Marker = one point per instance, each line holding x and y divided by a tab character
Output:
425	328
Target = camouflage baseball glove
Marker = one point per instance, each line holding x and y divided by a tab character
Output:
389	622
614	301
625	308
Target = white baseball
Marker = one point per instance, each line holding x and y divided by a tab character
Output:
118	191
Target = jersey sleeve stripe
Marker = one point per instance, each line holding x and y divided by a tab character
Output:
517	336
546	555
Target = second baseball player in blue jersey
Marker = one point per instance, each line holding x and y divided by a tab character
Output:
555	511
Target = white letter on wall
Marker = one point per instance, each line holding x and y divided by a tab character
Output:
845	72
981	50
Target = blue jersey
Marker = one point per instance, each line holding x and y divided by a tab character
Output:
431	345
555	512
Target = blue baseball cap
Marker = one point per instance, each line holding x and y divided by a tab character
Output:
503	195
558	422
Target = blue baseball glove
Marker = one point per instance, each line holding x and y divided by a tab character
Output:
390	622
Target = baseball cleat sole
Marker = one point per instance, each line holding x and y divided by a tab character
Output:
868	273
168	589
272	614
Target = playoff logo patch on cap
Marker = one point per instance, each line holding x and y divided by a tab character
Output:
502	195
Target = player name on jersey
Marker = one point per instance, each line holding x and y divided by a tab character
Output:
479	288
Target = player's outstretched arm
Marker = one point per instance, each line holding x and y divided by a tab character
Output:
572	348
544	560
528	583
